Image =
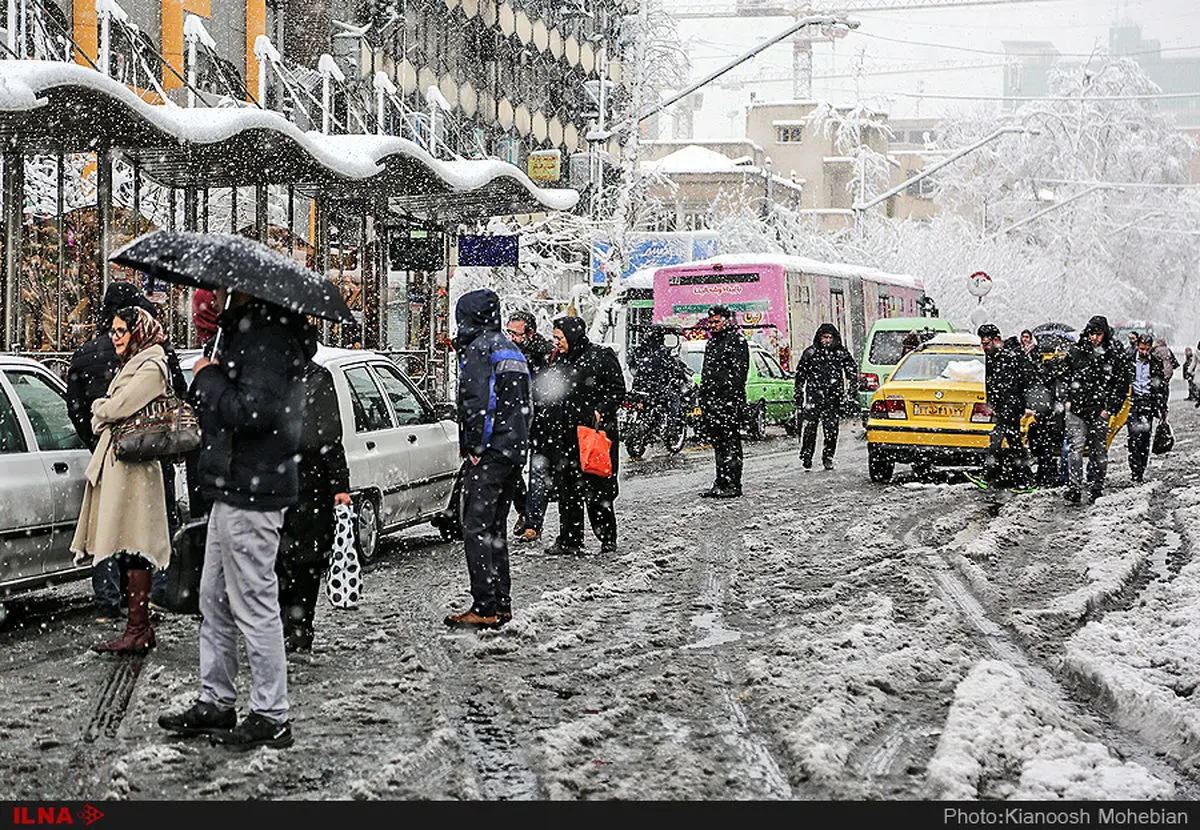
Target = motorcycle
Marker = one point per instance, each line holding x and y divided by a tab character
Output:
644	419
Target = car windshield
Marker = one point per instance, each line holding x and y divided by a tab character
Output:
941	366
887	347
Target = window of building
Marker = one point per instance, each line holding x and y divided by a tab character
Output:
789	135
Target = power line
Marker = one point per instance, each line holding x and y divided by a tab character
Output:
908	42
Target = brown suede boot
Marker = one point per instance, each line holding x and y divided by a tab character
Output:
139	636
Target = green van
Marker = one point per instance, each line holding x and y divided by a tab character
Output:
884	347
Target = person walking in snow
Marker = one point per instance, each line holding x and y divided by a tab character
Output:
1189	372
1147	403
495	411
584	386
1162	352
1098	376
822	374
723	399
1008	377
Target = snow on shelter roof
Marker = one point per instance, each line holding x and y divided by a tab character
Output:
815	266
50	106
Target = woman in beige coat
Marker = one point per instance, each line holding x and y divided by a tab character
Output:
124	505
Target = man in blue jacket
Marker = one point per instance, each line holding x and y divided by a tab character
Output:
494	415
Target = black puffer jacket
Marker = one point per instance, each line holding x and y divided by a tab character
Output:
823	372
723	378
583	380
1098	377
321	469
251	408
495	407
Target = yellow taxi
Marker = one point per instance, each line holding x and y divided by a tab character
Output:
932	410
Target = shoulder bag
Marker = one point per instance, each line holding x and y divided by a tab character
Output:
164	428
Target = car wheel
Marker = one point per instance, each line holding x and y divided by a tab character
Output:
366	529
758	422
879	466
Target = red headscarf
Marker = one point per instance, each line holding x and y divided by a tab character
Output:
205	314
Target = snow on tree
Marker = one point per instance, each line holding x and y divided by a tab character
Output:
1100	159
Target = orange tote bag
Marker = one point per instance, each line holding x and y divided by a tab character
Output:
594	447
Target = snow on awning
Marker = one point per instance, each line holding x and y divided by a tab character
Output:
52	107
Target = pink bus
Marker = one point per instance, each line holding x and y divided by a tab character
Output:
781	300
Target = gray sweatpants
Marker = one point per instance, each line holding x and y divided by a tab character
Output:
239	592
1092	434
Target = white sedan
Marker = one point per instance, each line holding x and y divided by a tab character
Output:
42	462
402	451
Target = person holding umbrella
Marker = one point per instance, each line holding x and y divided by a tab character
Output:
249	397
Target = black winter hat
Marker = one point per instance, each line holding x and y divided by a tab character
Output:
721	311
988	330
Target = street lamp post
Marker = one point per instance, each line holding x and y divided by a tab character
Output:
860	207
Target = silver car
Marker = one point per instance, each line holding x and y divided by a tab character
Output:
401	451
42	462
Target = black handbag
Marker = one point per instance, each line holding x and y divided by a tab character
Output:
1164	439
182	593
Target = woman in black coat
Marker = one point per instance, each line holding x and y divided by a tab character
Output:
306	542
583	386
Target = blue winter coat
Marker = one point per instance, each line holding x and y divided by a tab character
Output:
495	408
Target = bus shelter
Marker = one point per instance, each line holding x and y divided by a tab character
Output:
269	179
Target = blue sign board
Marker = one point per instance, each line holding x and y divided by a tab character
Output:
488	250
650	250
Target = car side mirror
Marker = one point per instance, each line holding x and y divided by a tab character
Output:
445	411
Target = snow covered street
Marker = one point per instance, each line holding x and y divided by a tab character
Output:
821	638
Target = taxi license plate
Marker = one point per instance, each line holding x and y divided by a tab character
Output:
938	410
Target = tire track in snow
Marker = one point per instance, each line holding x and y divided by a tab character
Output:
954	589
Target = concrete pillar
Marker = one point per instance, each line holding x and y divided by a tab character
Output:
10	282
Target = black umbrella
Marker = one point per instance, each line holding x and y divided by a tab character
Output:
1054	337
212	260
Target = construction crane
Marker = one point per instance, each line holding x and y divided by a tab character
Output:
802	72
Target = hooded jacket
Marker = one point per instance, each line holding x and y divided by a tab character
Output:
251	408
583	380
1098	377
495	407
823	372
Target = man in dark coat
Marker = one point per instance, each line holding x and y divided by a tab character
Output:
723	399
530	502
250	402
584	386
1008	377
1098	377
1148	402
822	373
323	480
495	411
92	368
